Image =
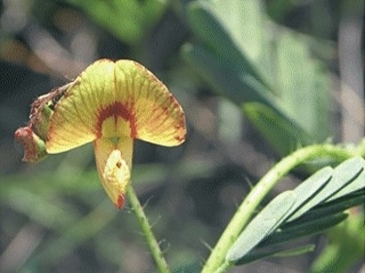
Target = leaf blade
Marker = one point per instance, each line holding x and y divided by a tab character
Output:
343	174
262	225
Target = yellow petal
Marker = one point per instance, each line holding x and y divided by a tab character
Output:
155	115
73	122
113	100
114	163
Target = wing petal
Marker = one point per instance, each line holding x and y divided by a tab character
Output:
74	121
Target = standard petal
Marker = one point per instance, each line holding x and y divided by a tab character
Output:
114	163
113	100
154	114
75	117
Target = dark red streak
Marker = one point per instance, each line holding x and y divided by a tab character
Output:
116	110
120	201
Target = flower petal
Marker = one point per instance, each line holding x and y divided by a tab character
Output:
112	100
114	163
76	113
155	115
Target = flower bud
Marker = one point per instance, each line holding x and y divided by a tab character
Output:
34	146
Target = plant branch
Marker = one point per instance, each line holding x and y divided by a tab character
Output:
147	231
216	262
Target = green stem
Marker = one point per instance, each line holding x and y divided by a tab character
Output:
147	231
216	262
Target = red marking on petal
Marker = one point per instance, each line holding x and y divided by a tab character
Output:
116	110
120	201
181	124
179	138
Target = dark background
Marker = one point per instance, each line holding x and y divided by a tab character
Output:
55	216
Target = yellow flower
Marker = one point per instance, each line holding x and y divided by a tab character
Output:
111	104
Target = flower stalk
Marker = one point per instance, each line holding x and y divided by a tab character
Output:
147	231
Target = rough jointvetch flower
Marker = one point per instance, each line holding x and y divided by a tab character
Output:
111	104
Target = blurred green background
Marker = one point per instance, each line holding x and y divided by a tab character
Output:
257	79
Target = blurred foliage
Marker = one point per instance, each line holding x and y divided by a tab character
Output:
276	62
138	16
244	61
345	247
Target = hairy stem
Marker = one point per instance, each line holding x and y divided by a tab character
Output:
147	231
216	262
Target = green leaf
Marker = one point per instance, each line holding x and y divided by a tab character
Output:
240	62
243	88
279	131
337	205
312	186
262	225
302	83
127	20
343	174
239	47
295	251
275	253
300	229
356	184
240	86
301	212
